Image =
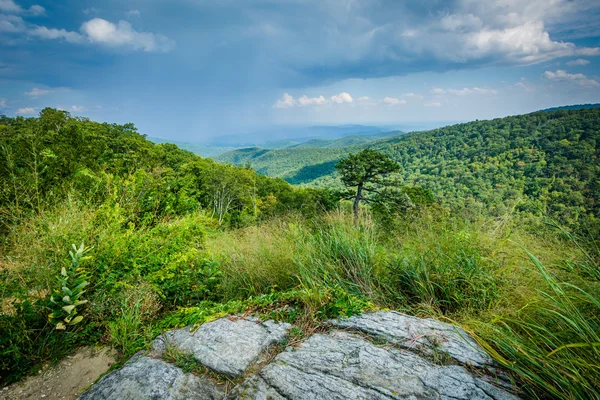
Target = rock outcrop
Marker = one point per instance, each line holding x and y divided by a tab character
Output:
420	334
381	355
150	378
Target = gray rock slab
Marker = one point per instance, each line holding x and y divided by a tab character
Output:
423	334
143	378
343	365
228	345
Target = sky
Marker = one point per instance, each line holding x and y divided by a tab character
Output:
195	69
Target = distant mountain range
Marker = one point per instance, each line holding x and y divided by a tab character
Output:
287	138
293	135
196	148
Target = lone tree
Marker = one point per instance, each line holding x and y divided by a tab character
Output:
366	172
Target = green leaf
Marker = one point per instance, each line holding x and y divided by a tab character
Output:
61	326
80	286
63	272
69	308
67	300
76	320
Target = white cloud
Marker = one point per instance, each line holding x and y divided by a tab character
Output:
475	90
411	95
51	33
308	101
78	108
11	23
103	32
26	110
498	32
36	92
9	6
458	22
37	10
91	10
438	91
393	101
2	102
562	75
579	61
524	84
286	101
363	98
432	104
526	43
342	98
133	13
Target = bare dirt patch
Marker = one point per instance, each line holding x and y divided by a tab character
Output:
64	381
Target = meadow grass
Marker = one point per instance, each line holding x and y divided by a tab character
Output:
536	315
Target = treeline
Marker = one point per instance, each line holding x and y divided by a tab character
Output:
47	158
541	164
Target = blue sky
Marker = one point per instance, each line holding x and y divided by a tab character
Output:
192	69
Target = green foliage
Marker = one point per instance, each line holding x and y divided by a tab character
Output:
67	300
553	344
539	164
300	305
453	277
45	158
366	172
127	332
368	166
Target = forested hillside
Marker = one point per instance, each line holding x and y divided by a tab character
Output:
46	158
539	163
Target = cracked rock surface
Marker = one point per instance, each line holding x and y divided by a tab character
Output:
227	346
422	334
380	355
342	365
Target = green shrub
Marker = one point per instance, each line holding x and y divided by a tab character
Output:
67	301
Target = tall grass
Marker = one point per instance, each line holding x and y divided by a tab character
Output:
537	315
553	343
439	273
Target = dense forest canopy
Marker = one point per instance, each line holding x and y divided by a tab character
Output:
45	158
544	163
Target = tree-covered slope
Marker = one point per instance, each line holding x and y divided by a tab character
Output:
282	162
45	159
544	162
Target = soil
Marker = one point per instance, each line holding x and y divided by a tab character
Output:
65	380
